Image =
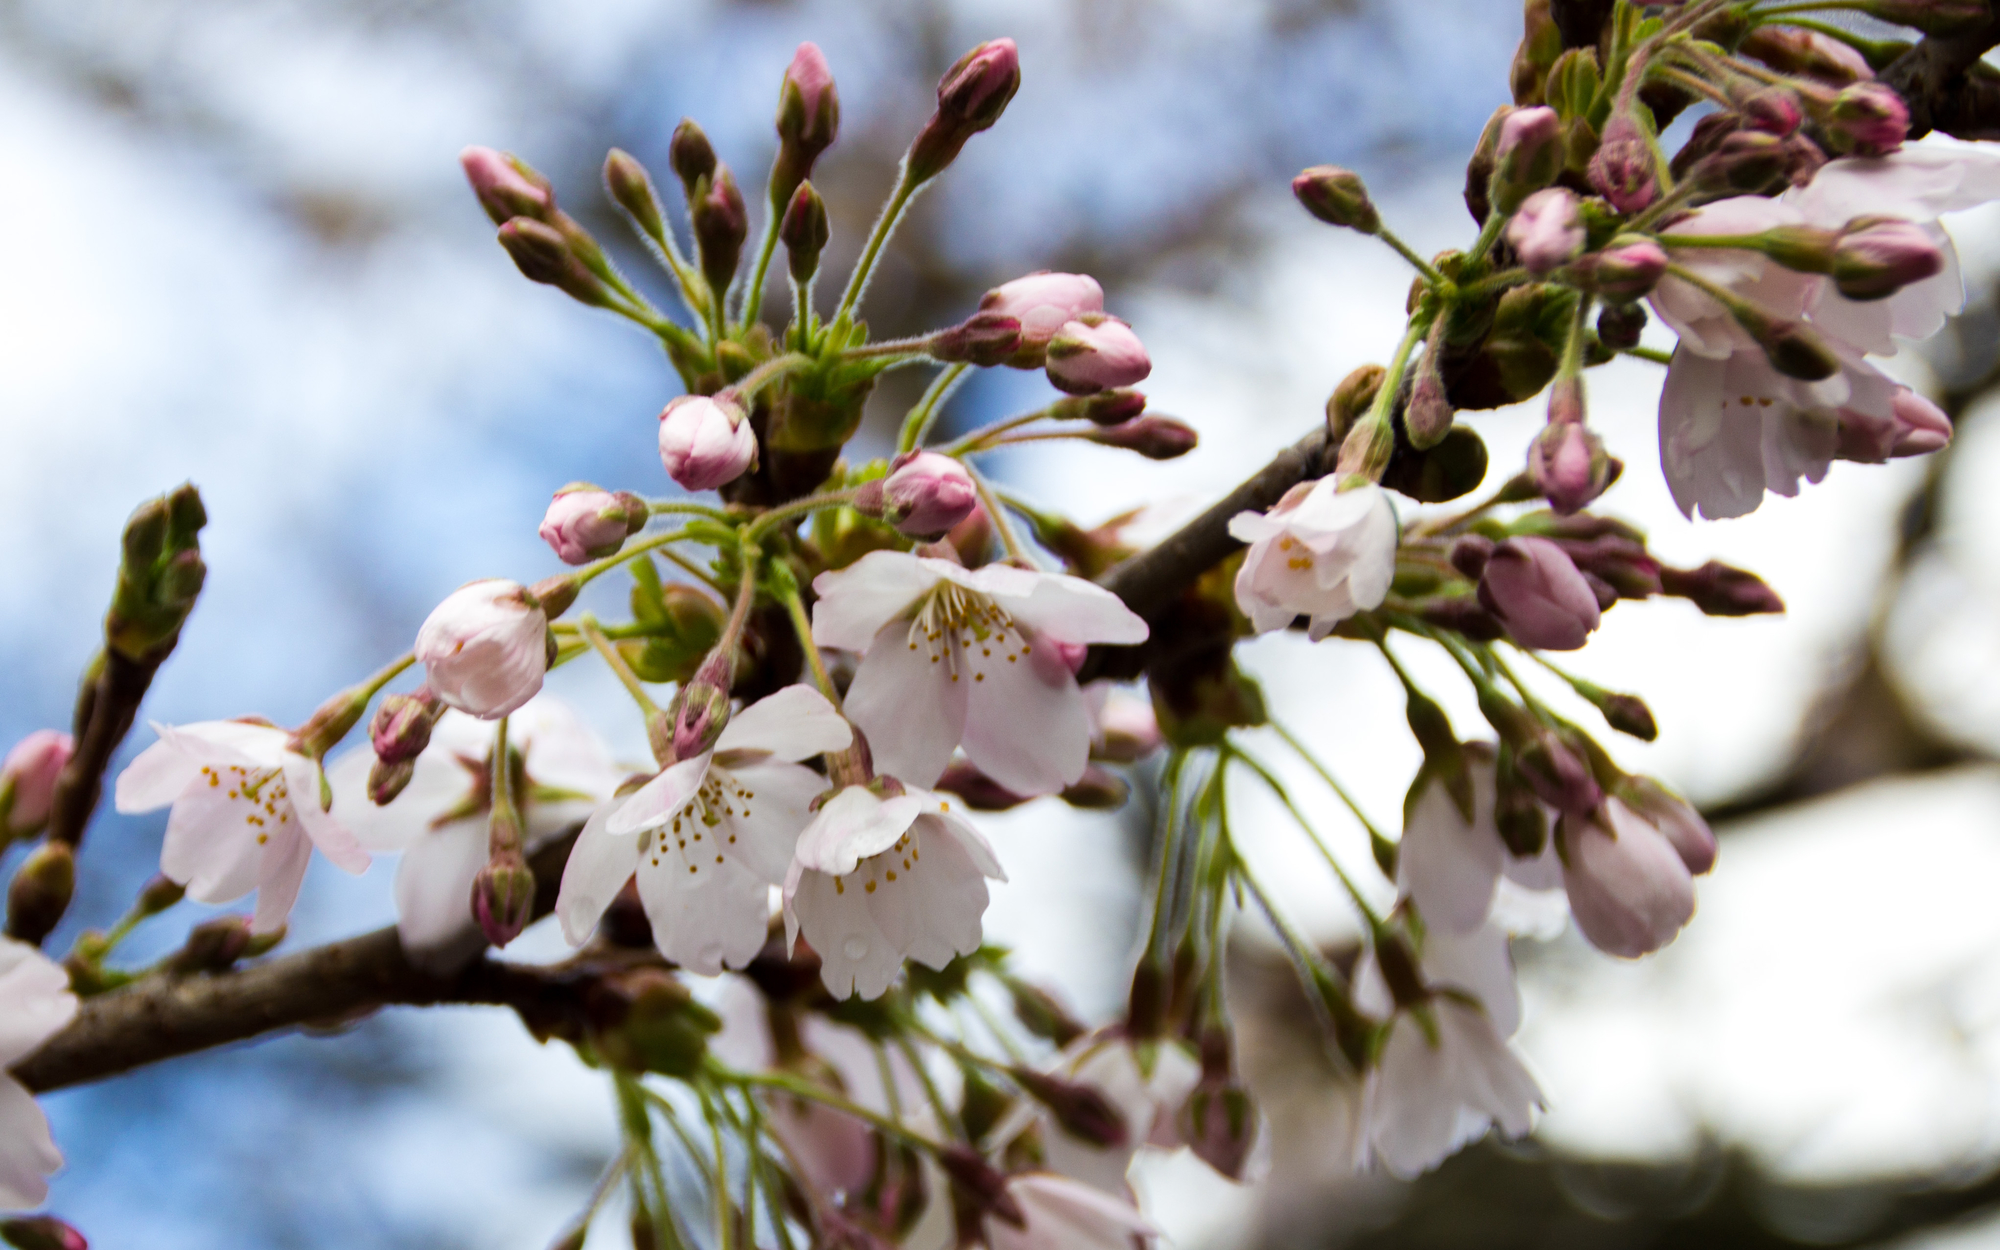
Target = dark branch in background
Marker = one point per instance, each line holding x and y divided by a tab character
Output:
1946	85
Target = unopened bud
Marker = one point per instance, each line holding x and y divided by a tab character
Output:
804	232
1567	461
982	1183
1719	590
41	1232
157	895
721	224
1537	591
1877	257
984	339
1427	414
506	186
1622	169
1773	110
926	494
1112	407
543	254
980	792
212	946
1546	233
1867	119
1082	1111
1096	352
1219	1123
1041	1014
584	523
1154	437
1353	397
700	708
1795	50
1558	775
808	120
706	441
1620	325
1463	615
1623	272
402	725
386	781
1527	156
1933	17
690	155
1792	348
1337	197
1628	714
28	781
503	897
970	98
632	187
1518	816
1469	555
40	892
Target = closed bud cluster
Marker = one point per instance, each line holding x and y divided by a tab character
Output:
28	781
402	725
1527	156
706	441
970	98
1155	438
1622	169
1337	197
584	523
506	186
808	121
1095	353
159	577
40	892
984	338
503	894
804	232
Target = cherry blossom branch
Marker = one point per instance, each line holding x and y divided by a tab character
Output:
1941	80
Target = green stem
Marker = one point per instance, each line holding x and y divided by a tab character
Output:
676	507
1277	788
1495	282
588	627
795	509
1489	234
504	831
795	607
971	443
1653	354
917	425
1404	250
885	225
770	370
800	1088
1016	550
686	565
631	551
753	295
1382	432
1378	842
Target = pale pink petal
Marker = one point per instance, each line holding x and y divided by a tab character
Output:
834	916
599	865
1480	964
38	1000
302	780
1630	894
434	895
707	911
907	704
211	847
1447	865
28	1153
793	724
1074	610
1026	726
857	601
853	825
774	805
927	898
281	870
660	799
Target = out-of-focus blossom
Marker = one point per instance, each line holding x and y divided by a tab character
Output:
706	441
1535	589
35	1002
1321	553
1057	1212
1095	353
1630	887
1546	234
485	648
28	780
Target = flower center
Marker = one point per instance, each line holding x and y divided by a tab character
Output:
881	870
966	632
696	832
259	794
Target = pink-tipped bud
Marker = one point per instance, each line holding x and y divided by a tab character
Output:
1538	594
984	338
543	254
690	155
970	98
1527	156
1043	303
1877	258
40	892
721	224
700	708
28	780
1867	119
1427	415
1719	590
706	441
1558	775
1795	50
1337	197
402	725
808	120
1154	437
1082	1111
804	232
1128	730
485	648
503	897
1567	462
1622	169
41	1232
584	523
1113	407
1677	820
1094	353
926	494
632	187
1921	426
1773	110
1623	272
386	781
1546	233
506	186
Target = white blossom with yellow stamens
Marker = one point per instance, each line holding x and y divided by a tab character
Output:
1321	553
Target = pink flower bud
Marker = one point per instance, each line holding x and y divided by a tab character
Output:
1921	426
706	441
1154	437
1773	110
1527	157
544	255
984	338
1082	1110
1719	590
1628	888
690	154
40	892
808	120
1537	592
1219	1123
1624	272
402	725
1545	233
506	187
1867	119
485	648
29	775
41	1232
970	98
804	232
1337	197
1567	462
503	897
926	494
721	224
1043	303
1622	169
584	523
1677	821
700	708
1128	730
1877	257
1094	353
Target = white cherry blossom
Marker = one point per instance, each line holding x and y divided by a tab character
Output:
954	656
1321	552
1441	1083
709	836
1062	1214
439	821
246	813
35	1002
1146	1083
875	881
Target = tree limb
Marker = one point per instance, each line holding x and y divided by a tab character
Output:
1946	86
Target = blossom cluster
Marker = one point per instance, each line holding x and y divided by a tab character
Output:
838	665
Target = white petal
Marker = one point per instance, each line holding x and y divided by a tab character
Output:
281	870
27	1152
660	799
1712	460
434	892
793	724
211	845
927	898
909	707
1479	964
302	779
705	915
156	777
766	825
853	825
1448	866
1062	1214
857	601
1026	725
599	865
437	784
1074	610
38	1000
855	957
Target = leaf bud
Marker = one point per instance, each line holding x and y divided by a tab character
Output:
690	156
1154	437
632	187
40	892
1337	197
804	232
